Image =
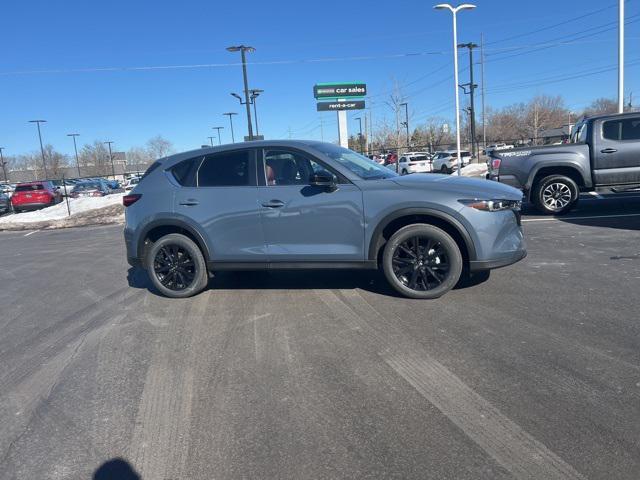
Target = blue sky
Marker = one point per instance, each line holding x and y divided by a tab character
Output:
52	53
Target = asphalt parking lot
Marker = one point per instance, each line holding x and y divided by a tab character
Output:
531	373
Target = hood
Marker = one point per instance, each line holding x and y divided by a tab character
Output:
463	186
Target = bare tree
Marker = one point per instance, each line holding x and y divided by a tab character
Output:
433	133
601	106
139	157
56	161
159	147
94	159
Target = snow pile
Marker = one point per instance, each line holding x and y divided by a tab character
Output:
84	211
474	170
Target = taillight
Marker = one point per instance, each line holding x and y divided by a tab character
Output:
129	200
495	164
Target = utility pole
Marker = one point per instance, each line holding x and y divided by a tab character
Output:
218	129
484	118
4	165
231	114
211	140
360	134
113	169
472	87
75	148
243	49
621	56
406	121
44	162
254	95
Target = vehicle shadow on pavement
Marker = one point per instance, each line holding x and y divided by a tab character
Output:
116	469
369	280
620	223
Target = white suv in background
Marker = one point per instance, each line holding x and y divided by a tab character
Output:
447	160
415	162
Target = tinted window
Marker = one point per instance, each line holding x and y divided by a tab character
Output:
184	172
288	168
225	170
29	188
627	129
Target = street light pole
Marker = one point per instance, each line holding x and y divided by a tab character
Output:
211	140
243	49
621	56
4	165
454	11
44	162
254	95
472	88
406	121
74	135
218	129
230	114
360	135
113	170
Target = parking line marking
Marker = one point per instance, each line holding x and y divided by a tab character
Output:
554	219
31	233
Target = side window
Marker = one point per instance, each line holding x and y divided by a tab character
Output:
627	129
229	169
283	167
185	172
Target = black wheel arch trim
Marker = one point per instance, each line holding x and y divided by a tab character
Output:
575	166
377	240
172	222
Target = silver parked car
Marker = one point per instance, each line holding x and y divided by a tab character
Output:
309	205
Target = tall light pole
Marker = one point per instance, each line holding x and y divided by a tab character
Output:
218	129
44	162
243	49
211	140
454	11
360	134
254	94
74	135
231	114
472	88
4	165
406	121
113	170
621	56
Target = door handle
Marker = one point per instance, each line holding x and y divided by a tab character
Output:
608	150
273	204
189	203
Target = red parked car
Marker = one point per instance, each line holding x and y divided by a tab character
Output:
35	195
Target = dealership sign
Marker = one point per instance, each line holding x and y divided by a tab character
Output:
341	105
339	90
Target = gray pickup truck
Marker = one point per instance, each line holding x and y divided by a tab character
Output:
603	156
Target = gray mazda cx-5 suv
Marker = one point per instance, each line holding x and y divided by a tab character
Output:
306	205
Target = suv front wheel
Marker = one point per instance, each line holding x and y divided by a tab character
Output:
176	266
422	261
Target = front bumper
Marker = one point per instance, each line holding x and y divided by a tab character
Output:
514	257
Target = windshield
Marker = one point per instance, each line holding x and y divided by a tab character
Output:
358	164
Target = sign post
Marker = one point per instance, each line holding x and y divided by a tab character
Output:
340	97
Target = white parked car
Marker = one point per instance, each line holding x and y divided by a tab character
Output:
447	160
415	162
131	183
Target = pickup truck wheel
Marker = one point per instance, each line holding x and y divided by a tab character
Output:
422	261
176	266
555	194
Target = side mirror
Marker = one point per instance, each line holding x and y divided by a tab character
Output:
322	178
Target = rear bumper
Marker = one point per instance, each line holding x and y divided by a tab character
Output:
479	265
31	206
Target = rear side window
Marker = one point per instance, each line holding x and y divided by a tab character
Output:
29	188
229	169
625	129
185	172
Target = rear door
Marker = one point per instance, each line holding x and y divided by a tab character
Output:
617	151
303	222
218	195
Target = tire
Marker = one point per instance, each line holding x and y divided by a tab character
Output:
425	270
181	279
444	170
555	195
404	171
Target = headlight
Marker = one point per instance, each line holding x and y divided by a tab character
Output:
492	205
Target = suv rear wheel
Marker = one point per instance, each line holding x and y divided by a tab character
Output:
176	266
555	194
422	261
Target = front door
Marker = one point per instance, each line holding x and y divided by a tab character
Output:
617	151
303	222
